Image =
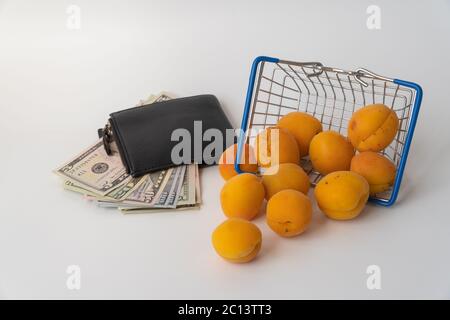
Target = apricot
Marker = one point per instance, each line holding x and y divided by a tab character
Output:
276	145
285	176
376	169
228	157
373	127
289	213
329	151
237	240
342	195
242	196
303	127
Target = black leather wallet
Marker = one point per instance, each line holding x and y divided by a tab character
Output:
144	134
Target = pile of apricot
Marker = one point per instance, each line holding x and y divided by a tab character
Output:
352	169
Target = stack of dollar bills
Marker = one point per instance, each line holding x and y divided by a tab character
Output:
102	178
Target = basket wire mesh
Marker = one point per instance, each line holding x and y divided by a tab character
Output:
331	95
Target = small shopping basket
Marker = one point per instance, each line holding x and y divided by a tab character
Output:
277	87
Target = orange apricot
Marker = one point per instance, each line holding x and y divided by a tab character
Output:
276	145
342	195
303	127
228	157
242	196
330	151
289	213
285	176
237	240
373	127
376	169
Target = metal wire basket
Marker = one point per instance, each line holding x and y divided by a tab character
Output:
277	87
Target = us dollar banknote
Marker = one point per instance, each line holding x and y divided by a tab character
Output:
162	96
95	171
169	195
102	178
188	190
148	193
189	200
69	185
124	190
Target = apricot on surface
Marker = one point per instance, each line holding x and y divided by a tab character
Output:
276	145
342	195
376	169
242	196
285	176
237	240
303	127
289	213
228	157
373	127
330	151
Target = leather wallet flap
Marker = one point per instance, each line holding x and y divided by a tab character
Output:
146	135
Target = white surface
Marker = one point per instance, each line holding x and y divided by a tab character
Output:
58	85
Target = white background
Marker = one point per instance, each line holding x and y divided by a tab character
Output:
57	86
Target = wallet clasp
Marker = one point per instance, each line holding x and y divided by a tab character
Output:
107	138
